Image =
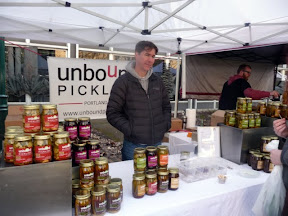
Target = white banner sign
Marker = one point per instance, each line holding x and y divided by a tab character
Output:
81	87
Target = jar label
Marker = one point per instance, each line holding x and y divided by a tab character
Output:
258	122
73	132
152	161
64	151
277	113
80	156
94	154
43	153
32	123
260	165
152	188
163	185
251	123
174	183
100	207
245	123
115	204
232	121
249	107
85	131
141	163
271	166
85	209
9	152
262	110
23	155
141	190
51	122
89	175
163	160
244	107
264	147
103	175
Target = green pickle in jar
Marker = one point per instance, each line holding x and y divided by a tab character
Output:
230	118
118	181
257	120
113	198
139	159
243	121
241	105
138	185
251	120
98	201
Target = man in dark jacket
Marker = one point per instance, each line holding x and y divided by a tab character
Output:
237	86
139	106
279	157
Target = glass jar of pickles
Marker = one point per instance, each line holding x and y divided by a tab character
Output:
93	149
265	141
75	188
257	120
98	201
257	162
241	105
82	203
61	147
243	121
42	149
230	118
8	146
138	185
162	156
163	181
79	152
151	183
84	128
275	110
113	198
249	156
283	110
173	178
49	117
70	125
86	169
86	184
249	105
101	171
261	108
268	109
151	156
23	153
251	120
31	119
118	181
139	159
268	165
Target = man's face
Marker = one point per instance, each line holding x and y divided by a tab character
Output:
145	59
246	73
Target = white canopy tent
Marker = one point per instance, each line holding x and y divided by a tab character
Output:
198	26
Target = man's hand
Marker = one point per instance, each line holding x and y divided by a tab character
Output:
275	155
281	128
275	94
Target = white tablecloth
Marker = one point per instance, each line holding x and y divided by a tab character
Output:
207	197
180	142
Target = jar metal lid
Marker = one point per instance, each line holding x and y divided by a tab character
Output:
61	135
241	98
163	172
22	138
248	98
101	160
267	157
14	128
265	138
70	119
82	194
79	144
98	191
41	137
163	147
284	105
232	112
50	133
93	142
10	135
151	148
75	183
174	170
251	114
139	150
262	102
32	106
86	163
274	138
139	176
116	181
113	188
49	106
151	174
84	119
258	155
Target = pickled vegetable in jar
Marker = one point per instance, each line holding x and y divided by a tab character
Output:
139	159
75	188
249	105
87	184
23	150
261	108
79	152
61	129
163	181
243	121
84	128
249	156
265	141
162	156
113	198
70	125
257	120
257	162
8	146
138	185
101	171
61	147
173	178
118	181
241	105
31	119
275	111
269	108
98	201
82	203
268	165
49	117
251	120
283	110
42	149
86	169
151	183
230	118
151	156
93	149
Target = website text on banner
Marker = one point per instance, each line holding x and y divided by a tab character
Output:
81	87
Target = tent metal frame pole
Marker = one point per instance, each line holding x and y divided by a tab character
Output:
250	34
177	87
268	24
163	2
146	17
20	4
171	14
183	77
269	36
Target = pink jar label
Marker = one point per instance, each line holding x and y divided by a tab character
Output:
152	161
80	156
72	132
94	154
152	188
85	131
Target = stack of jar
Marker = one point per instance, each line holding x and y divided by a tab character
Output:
150	172
85	149
96	192
272	109
259	159
79	129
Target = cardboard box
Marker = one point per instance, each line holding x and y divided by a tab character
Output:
14	120
176	124
217	117
14	110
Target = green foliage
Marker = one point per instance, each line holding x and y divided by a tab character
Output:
167	79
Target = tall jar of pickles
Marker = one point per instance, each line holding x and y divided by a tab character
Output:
257	120
241	105
8	146
283	110
139	159
31	119
275	111
249	105
162	156
23	150
251	119
101	171
243	121
42	149
50	121
61	147
268	108
82	203
230	118
261	108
